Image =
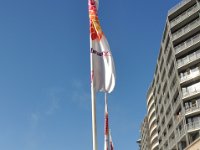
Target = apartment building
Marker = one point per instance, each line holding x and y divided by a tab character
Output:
144	141
176	83
151	115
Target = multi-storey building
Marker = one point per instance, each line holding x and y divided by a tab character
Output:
151	115
176	84
144	141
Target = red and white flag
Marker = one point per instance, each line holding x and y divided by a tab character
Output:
111	142
102	65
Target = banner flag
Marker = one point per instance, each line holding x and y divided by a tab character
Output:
111	142
102	64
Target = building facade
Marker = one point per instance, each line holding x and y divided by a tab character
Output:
151	115
144	141
175	89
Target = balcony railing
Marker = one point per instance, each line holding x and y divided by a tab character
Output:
155	145
192	109
187	43
188	94
184	15
193	126
179	5
186	29
190	76
190	58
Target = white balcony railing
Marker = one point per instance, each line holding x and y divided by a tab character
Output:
187	43
190	58
179	5
154	137
192	109
184	15
191	93
193	126
155	145
186	29
190	76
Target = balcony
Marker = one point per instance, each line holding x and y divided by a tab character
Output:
191	94
151	113
150	105
194	57
155	145
186	29
154	137
152	120
184	15
187	44
193	126
192	110
179	5
187	78
153	128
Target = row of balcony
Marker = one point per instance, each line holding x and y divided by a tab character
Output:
186	29
193	126
187	94
190	76
181	47
194	108
184	15
179	5
188	59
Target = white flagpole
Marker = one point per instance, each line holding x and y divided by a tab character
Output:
93	103
94	128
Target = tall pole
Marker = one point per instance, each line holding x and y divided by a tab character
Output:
93	103
94	126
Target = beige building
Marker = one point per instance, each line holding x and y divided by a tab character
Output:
173	101
144	141
151	111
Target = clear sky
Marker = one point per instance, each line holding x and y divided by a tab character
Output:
45	71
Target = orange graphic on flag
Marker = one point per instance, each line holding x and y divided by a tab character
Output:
95	28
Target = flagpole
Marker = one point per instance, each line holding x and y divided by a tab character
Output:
94	128
93	103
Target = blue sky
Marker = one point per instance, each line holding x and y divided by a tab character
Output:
45	71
